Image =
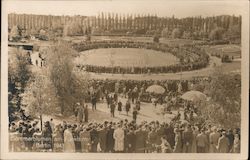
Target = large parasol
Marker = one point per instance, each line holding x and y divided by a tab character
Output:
157	89
194	96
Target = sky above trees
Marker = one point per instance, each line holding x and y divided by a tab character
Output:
179	8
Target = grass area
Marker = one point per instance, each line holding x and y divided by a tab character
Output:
126	57
230	49
178	41
233	66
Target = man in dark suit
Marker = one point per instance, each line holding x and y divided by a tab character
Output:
131	140
103	137
187	139
112	109
135	114
86	113
93	101
127	106
140	140
110	140
94	139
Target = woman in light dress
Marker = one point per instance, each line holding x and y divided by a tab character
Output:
119	139
69	144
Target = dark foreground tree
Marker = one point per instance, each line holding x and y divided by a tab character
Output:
19	73
224	106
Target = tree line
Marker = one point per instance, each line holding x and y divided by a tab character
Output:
216	27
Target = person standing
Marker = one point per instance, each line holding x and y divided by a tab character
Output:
131	139
85	140
213	139
124	91
76	110
133	96
112	109
129	94
93	101
230	137
127	106
94	139
223	143
115	98
201	141
236	145
102	138
69	145
138	105
47	136
187	139
169	132
135	114
119	107
31	131
57	139
110	139
154	101
152	139
207	132
140	143
76	136
119	139
178	141
108	99
195	133
86	113
159	133
80	114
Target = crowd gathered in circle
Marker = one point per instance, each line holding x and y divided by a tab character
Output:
191	57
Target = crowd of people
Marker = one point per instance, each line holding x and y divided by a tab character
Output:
191	57
136	89
102	90
135	92
122	137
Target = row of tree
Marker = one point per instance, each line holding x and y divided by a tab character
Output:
232	34
190	27
117	22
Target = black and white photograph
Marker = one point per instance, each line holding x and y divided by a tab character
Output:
119	78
